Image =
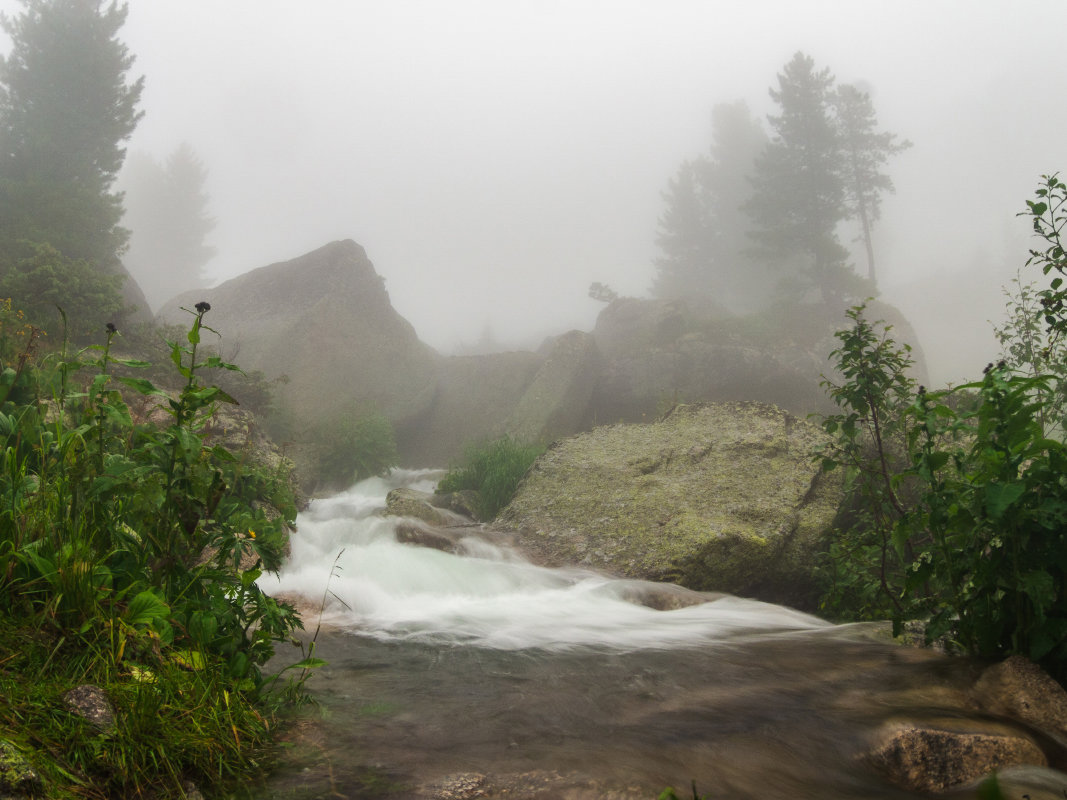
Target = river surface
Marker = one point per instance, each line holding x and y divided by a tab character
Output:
482	669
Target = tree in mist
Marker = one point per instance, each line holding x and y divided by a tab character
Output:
683	234
865	151
65	110
798	186
166	212
703	232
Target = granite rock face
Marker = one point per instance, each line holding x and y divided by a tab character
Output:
324	321
716	497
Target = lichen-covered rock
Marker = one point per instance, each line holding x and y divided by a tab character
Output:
92	704
716	497
17	776
929	759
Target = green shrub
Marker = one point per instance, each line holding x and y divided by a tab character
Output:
493	469
971	525
129	554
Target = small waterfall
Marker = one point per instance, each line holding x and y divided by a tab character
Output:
489	596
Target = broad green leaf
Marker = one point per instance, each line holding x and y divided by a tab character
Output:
190	659
143	386
131	362
1000	496
310	663
1039	587
146	608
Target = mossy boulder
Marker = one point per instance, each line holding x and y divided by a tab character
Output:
715	497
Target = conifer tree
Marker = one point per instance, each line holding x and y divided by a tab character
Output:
865	153
798	187
66	110
166	212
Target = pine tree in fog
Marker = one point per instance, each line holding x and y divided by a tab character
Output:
65	110
166	212
865	153
798	186
702	233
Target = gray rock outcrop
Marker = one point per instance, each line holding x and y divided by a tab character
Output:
716	497
324	320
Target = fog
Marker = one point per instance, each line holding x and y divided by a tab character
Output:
495	158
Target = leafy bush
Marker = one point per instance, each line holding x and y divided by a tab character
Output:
863	569
43	278
970	528
129	555
493	469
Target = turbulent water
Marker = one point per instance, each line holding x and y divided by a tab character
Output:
552	683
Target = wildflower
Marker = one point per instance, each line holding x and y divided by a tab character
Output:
251	534
203	307
111	328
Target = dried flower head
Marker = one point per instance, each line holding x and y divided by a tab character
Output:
110	327
203	307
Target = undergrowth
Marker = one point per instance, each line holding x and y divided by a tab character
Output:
493	469
961	493
129	553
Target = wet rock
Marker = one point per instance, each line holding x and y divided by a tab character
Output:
17	777
464	502
465	786
929	759
416	505
1020	689
425	536
535	785
90	703
556	402
716	497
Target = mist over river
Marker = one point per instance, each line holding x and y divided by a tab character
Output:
530	682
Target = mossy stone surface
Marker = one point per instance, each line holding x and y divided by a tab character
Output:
716	497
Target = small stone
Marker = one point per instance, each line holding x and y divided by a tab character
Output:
934	760
90	703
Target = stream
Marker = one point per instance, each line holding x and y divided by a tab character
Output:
452	672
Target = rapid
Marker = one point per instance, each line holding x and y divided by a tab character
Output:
554	683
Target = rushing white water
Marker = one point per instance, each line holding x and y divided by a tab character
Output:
490	596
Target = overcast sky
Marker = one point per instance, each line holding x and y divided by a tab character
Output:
495	157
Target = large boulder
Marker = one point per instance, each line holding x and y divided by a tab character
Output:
324	321
474	398
557	400
716	497
657	353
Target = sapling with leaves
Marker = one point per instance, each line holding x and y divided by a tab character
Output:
867	442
